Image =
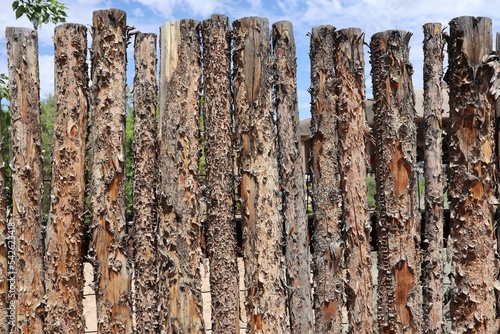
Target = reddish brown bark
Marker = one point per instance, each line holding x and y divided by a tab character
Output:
259	185
64	258
432	254
109	228
144	185
224	287
471	174
352	130
328	246
292	180
179	144
26	165
398	229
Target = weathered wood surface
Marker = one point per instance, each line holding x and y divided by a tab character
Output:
221	228
144	185
259	180
109	229
292	183
328	245
179	149
352	130
64	239
26	165
432	243
471	172
398	229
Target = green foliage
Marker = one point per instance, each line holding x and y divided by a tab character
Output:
4	89
129	157
47	107
40	11
371	192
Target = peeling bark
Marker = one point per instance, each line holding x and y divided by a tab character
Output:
259	184
224	287
109	228
352	130
144	185
432	257
64	239
328	246
4	243
179	143
398	229
26	164
471	187
292	180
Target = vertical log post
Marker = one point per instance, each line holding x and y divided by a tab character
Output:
471	187
4	239
109	228
432	257
352	130
259	187
64	258
224	287
26	164
144	185
292	180
398	230
179	216
328	246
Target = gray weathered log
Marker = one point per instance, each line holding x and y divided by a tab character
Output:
471	173
144	185
432	253
179	150
64	239
224	287
328	246
292	180
109	228
259	183
26	165
352	130
398	229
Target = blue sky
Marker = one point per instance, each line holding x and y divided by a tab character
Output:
370	15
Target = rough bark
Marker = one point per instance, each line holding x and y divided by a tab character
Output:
64	239
497	211
259	184
432	257
292	180
144	185
109	228
398	229
26	165
352	130
471	188
179	216
224	287
4	243
328	246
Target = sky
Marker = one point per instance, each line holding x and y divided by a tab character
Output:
371	16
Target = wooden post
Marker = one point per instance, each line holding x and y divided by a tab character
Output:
398	229
292	180
432	257
259	187
109	228
221	234
328	246
472	167
27	273
144	185
179	216
352	130
63	257
4	240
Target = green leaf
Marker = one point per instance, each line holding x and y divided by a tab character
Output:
19	12
15	4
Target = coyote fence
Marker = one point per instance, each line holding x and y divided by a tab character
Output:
229	94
